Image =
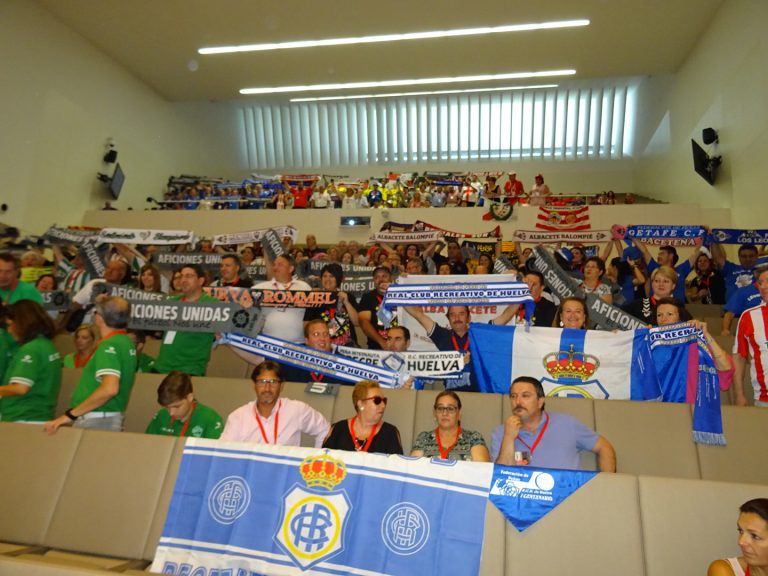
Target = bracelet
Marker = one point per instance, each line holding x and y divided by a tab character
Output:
71	416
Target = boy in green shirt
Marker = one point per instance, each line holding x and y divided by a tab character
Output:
181	414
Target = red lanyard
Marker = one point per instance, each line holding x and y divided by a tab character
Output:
364	447
316	377
261	426
186	424
532	449
456	343
444	452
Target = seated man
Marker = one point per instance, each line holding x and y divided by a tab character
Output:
260	421
181	414
317	336
549	440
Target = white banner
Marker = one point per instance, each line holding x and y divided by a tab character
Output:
543	236
254	236
159	237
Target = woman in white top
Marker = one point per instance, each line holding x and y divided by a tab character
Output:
752	527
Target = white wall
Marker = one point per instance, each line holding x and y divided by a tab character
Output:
724	85
60	101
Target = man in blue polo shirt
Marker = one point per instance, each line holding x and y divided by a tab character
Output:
531	436
736	275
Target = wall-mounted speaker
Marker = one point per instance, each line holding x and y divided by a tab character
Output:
709	135
110	157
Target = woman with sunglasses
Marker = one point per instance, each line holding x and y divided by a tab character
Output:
449	440
365	431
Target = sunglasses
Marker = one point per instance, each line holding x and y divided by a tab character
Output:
377	400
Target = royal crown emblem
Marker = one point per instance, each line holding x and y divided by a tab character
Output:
323	471
570	364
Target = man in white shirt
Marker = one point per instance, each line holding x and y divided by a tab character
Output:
284	323
271	419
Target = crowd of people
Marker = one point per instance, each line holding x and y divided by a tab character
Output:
391	191
655	290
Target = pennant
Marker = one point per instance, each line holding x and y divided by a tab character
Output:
557	219
264	509
567	362
525	494
657	235
427	237
255	349
158	237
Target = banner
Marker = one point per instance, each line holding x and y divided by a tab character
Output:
525	494
495	233
176	260
738	236
601	314
428	237
416	364
55	300
242	509
657	235
158	237
568	362
252	236
68	235
93	256
559	219
272	245
255	349
687	373
127	292
541	237
232	294
268	298
193	317
480	313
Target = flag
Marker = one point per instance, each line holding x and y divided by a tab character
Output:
568	362
558	219
525	494
285	510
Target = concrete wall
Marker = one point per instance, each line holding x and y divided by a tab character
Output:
723	84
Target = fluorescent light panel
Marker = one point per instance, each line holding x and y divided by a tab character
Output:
410	82
394	37
425	93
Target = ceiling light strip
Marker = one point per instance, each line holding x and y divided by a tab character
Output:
394	37
409	82
424	93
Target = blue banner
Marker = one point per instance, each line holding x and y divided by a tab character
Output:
738	236
659	235
261	509
525	494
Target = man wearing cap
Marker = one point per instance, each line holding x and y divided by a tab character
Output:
513	189
271	419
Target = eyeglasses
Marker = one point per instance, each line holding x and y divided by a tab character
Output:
267	381
447	409
376	400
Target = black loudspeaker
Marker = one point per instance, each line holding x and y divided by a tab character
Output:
110	157
709	135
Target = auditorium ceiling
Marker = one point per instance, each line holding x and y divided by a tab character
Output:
157	40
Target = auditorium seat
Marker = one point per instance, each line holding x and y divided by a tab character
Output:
163	502
226	364
595	531
323	403
65	343
652	438
143	402
688	524
35	469
740	460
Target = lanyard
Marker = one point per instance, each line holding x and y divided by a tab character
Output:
532	449
261	426
316	376
445	452
456	343
186	424
364	447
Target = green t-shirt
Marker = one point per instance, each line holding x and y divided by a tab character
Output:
185	351
36	364
23	291
115	355
204	422
145	363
